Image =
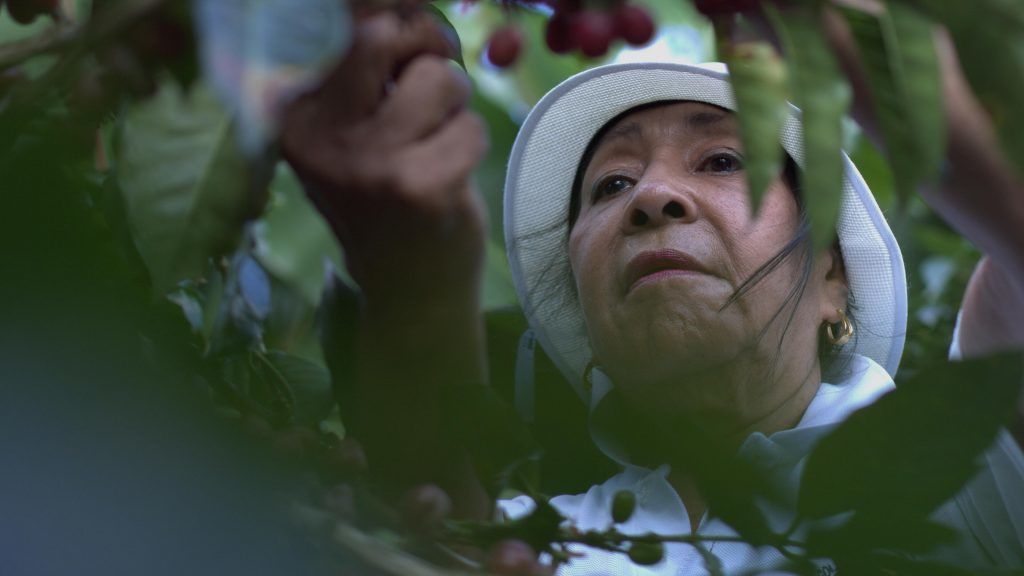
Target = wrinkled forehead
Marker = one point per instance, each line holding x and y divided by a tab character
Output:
683	119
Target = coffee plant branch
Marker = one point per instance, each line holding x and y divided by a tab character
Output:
83	36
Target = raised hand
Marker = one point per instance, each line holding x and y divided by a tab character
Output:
386	147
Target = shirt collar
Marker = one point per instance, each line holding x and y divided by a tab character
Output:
862	382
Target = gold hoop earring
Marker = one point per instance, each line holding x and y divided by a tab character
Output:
846	327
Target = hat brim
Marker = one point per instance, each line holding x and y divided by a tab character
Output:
542	168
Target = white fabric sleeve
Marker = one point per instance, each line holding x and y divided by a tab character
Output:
993	502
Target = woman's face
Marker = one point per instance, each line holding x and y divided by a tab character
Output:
664	237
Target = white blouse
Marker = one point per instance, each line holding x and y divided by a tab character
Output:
989	511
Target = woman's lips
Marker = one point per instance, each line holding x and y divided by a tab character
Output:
658	264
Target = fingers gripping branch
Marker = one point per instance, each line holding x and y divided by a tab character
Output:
383	46
429	92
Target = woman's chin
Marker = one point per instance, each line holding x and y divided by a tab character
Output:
672	364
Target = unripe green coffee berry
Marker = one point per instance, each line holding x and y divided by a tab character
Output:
646	553
623	505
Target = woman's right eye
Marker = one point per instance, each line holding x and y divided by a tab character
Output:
609	186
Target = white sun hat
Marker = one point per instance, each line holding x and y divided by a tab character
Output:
542	168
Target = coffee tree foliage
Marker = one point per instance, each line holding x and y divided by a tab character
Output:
165	286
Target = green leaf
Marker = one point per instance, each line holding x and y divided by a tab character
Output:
309	383
291	325
898	565
880	531
821	92
186	187
711	562
758	78
498	288
498	441
293	241
987	36
338	318
254	383
898	51
915	447
287	388
449	31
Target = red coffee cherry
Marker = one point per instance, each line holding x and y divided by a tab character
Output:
558	33
425	507
512	557
504	46
344	460
593	31
633	24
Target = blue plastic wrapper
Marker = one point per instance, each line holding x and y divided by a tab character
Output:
259	54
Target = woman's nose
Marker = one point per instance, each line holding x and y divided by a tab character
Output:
656	204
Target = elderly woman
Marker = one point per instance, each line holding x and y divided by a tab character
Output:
644	274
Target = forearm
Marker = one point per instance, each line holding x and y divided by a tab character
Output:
992	321
405	354
993	312
980	194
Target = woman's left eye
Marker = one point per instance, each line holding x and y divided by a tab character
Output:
722	163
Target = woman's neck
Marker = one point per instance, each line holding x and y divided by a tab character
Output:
732	403
726	432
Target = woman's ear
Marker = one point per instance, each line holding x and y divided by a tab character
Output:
835	290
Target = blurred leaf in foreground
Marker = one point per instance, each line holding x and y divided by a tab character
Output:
759	82
987	34
186	187
898	50
915	447
821	92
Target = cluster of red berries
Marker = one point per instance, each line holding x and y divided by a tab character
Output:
592	30
25	11
572	26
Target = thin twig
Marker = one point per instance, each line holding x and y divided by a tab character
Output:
80	36
592	538
50	40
